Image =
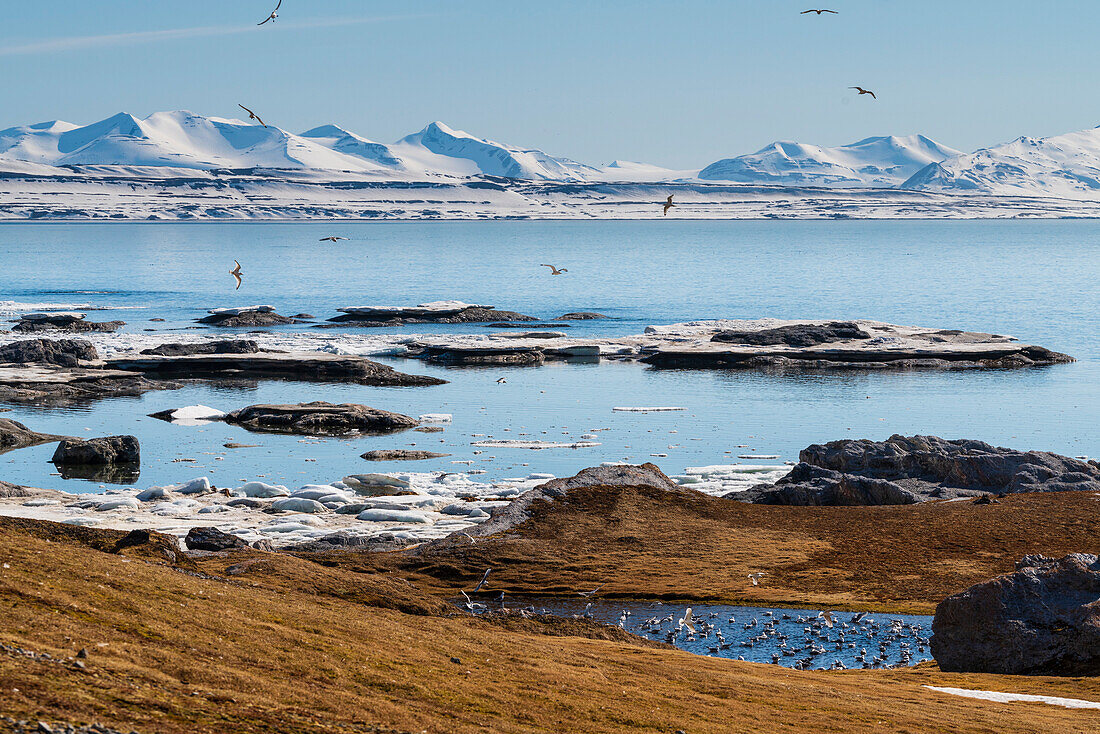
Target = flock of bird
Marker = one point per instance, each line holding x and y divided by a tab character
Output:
236	273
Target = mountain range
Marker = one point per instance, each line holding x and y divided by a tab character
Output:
1066	166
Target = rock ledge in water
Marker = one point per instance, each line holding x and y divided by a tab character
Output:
320	419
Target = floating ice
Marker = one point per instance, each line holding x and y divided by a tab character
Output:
657	409
436	418
515	444
195	415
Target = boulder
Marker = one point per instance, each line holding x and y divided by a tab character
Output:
613	475
1043	619
245	316
98	451
400	455
224	346
375	485
297	504
15	435
62	352
320	419
63	321
211	539
903	469
796	335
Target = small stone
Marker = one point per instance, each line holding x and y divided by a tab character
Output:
83	653
456	661
80	664
44	727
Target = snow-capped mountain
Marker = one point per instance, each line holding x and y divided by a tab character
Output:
1065	166
178	139
876	162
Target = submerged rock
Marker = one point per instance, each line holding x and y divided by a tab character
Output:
61	352
320	418
581	316
400	455
906	469
1043	619
98	451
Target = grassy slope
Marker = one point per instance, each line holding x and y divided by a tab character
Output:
259	642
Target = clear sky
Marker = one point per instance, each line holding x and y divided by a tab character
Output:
678	83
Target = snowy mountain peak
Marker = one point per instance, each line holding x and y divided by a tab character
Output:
875	162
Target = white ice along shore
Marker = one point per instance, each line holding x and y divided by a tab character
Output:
409	506
181	166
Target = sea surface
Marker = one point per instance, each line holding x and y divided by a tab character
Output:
1036	280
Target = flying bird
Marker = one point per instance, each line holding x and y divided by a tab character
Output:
819	12
828	617
755	577
668	204
473	606
331	239
554	271
252	115
274	14
236	273
861	90
501	381
590	594
483	580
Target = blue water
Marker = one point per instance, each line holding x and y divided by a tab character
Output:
787	637
1033	279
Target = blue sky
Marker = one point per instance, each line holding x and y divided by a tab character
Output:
676	83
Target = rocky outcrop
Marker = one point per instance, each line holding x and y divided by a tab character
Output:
320	419
581	316
905	469
15	435
248	316
61	352
487	355
400	455
110	450
437	312
226	346
67	322
304	366
73	386
1043	619
796	335
211	539
618	475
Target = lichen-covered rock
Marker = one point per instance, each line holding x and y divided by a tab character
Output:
1043	619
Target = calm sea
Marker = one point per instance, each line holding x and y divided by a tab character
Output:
1036	280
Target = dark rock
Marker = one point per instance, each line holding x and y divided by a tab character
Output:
904	469
525	325
249	502
1043	619
796	335
429	429
227	346
64	322
211	539
246	319
15	435
303	316
310	367
263	544
79	387
451	355
581	316
430	314
400	455
618	475
62	352
320	418
133	539
98	451
812	485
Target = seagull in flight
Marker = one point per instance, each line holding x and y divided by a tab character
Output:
861	90
483	580
252	115
590	594
819	12
331	239
554	271
473	606
828	617
501	381
755	577
668	204
274	14
236	273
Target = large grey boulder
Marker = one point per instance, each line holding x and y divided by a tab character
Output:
904	469
98	451
1044	619
320	418
62	352
211	539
